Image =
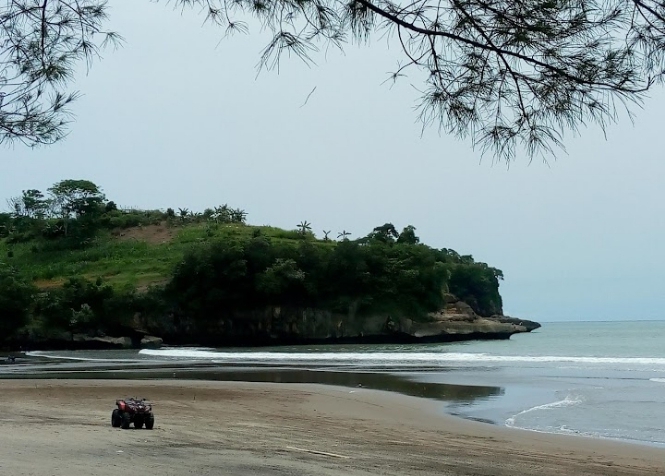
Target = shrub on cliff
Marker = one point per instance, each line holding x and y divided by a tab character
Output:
16	297
375	277
83	306
478	286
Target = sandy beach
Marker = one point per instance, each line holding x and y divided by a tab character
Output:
62	427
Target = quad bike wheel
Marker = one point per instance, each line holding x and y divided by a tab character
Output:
126	420
138	422
149	422
116	418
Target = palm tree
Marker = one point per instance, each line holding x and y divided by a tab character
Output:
325	235
208	213
238	215
304	226
343	235
222	214
183	212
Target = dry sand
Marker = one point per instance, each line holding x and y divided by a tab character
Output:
62	427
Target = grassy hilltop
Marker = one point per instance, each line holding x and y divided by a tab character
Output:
137	255
72	261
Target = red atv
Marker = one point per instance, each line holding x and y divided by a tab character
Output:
135	410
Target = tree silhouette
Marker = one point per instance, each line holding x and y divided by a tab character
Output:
304	226
238	215
222	214
386	233
343	235
504	73
40	44
408	236
325	235
183	213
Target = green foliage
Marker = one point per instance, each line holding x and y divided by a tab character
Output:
76	198
304	227
83	306
408	236
504	74
72	212
16	297
385	233
96	266
32	203
223	277
123	219
6	225
282	278
478	285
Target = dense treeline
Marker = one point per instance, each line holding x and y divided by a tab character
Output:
223	273
370	275
72	213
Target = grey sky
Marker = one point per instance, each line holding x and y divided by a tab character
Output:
174	119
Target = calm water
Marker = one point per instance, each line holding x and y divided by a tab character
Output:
601	379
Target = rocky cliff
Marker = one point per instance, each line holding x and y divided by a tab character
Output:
289	326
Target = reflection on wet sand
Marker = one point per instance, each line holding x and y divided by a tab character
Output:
393	382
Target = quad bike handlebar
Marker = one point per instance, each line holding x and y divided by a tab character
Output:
134	404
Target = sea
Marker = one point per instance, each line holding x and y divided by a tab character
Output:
591	379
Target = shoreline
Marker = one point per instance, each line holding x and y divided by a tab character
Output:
446	397
62	427
440	328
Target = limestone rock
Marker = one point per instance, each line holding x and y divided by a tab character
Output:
83	341
151	342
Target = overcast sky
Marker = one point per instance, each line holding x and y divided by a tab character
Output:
176	118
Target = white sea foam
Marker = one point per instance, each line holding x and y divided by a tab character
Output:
54	355
388	357
569	401
659	380
405	358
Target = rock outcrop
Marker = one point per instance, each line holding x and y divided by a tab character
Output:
87	342
151	342
69	341
290	326
458	322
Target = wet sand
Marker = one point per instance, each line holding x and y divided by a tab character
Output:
62	427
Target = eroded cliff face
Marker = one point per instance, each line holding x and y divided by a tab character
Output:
459	320
288	326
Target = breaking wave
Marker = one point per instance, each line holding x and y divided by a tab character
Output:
57	356
569	401
431	358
